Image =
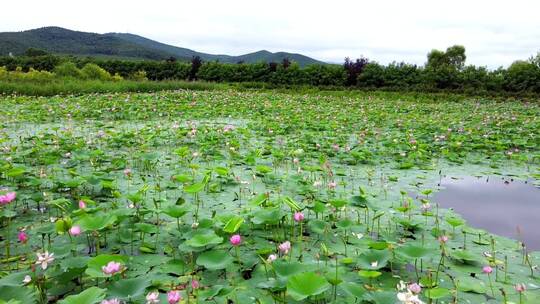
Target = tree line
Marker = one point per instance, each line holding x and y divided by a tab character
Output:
444	70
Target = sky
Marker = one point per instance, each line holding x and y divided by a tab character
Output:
495	33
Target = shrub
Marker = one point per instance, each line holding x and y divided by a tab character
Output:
35	75
523	76
3	73
138	76
117	77
68	69
93	71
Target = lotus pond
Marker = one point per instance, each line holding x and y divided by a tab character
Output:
259	197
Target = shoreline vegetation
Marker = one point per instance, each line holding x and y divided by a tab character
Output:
71	86
40	74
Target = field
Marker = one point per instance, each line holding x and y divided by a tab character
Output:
257	197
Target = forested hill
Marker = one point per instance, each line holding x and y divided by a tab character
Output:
67	42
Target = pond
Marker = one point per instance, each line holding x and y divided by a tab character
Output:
499	205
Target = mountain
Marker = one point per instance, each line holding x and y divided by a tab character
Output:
62	41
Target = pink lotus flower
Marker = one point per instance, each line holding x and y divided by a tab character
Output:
487	269
82	204
332	185
296	161
127	172
271	258
195	284
426	207
236	240
173	297
228	128
7	198
111	268
75	231
23	237
415	288
443	239
285	247
520	287
298	216
111	301
152	297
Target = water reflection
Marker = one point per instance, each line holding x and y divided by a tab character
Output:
499	205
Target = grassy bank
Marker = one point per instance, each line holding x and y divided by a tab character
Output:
74	86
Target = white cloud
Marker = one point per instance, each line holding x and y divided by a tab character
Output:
494	32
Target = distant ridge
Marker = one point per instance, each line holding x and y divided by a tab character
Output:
63	41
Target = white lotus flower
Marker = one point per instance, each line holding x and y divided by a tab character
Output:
27	279
44	259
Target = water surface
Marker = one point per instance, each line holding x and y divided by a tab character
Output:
501	206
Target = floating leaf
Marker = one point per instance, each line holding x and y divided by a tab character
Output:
233	224
91	295
214	259
304	285
128	288
204	239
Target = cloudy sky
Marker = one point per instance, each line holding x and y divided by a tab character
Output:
494	32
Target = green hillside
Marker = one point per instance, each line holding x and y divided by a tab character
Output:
67	42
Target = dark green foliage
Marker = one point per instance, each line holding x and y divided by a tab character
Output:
196	63
354	69
32	52
41	63
522	76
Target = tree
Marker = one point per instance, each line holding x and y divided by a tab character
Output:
354	69
196	63
522	76
443	68
272	66
454	57
33	52
436	59
285	63
536	60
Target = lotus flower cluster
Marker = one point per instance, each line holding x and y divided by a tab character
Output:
408	294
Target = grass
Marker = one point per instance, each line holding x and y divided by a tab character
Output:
75	86
71	86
